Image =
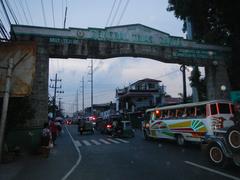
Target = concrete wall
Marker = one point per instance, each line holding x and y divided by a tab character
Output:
39	95
217	76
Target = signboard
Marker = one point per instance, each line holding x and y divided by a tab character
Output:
235	96
24	58
134	33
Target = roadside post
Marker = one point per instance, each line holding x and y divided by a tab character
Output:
5	105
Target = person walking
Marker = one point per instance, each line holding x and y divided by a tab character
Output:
46	138
54	131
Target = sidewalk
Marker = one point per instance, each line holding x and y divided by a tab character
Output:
35	167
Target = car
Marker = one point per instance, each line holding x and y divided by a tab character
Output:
68	121
85	126
105	127
99	122
223	147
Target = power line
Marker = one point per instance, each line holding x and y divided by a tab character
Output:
5	11
3	21
43	12
24	13
11	12
109	16
29	12
3	32
167	74
18	12
123	12
53	14
116	12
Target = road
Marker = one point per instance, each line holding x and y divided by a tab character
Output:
103	158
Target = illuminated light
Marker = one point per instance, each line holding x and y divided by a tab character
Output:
109	126
147	125
157	112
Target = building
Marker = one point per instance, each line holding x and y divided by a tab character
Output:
139	96
99	108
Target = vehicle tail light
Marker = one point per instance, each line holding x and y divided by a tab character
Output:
109	126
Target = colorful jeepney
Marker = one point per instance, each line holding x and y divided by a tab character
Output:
188	122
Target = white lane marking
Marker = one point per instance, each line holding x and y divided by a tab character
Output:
121	140
86	143
95	142
77	143
78	160
111	140
104	141
212	170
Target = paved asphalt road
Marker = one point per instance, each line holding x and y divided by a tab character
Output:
101	158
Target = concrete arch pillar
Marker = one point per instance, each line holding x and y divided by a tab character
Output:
39	95
216	78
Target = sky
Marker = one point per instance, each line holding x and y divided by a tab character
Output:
109	74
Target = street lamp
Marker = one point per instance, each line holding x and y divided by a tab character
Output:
183	70
223	89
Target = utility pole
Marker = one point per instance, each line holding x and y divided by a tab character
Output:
65	18
82	86
5	104
77	101
59	104
56	80
91	74
183	70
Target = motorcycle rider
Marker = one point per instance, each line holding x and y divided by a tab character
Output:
117	127
81	125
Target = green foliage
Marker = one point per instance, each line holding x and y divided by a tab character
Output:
216	22
199	83
213	21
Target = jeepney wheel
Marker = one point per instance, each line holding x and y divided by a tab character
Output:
236	159
216	155
233	138
180	140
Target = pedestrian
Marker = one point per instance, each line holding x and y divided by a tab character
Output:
81	125
46	139
46	135
54	130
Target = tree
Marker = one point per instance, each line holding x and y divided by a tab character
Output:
199	83
216	22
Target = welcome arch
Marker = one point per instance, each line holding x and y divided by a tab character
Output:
134	40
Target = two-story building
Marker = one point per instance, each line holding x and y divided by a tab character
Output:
139	96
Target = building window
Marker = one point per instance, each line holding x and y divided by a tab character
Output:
151	85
